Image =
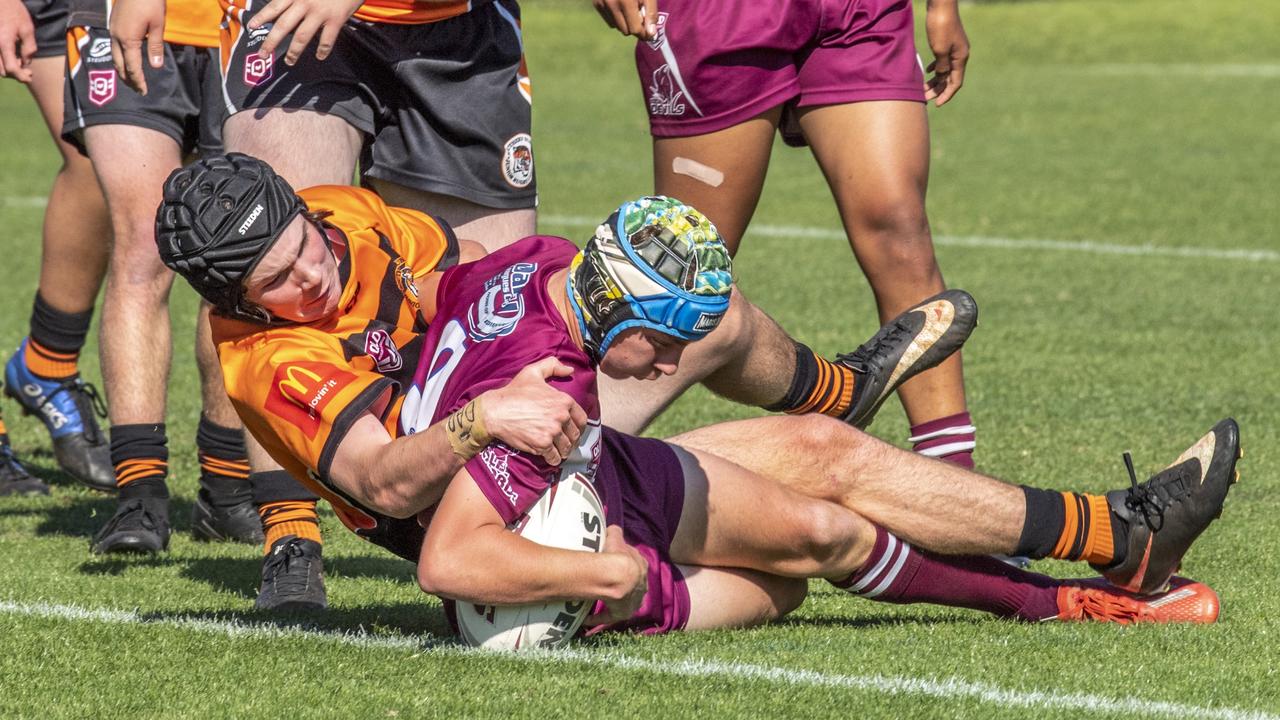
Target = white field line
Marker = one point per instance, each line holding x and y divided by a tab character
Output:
974	241
1199	70
978	241
940	688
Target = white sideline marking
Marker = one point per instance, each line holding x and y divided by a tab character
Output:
1085	246
1208	70
943	688
979	241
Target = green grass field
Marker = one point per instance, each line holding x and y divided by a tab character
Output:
1105	185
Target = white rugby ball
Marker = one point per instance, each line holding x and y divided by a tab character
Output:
568	516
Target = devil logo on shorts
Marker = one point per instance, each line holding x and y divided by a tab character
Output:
517	160
665	96
102	86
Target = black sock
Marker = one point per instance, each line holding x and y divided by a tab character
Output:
140	454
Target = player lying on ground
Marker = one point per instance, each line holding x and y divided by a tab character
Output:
698	552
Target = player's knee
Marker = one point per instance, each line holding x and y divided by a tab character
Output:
734	334
898	215
829	533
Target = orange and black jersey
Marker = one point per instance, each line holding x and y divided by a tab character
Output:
186	22
394	12
299	388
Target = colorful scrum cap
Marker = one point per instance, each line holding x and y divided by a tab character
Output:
655	263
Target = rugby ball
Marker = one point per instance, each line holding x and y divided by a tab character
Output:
569	516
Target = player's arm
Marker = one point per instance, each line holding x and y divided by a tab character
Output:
402	476
17	40
136	24
470	556
950	48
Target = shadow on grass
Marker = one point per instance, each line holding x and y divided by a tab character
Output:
83	516
391	621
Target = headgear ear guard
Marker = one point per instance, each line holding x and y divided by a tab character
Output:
219	217
655	263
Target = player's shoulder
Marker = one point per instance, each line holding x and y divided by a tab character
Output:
346	202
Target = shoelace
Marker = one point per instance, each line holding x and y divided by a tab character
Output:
276	568
1151	498
128	510
9	462
859	359
1097	605
86	399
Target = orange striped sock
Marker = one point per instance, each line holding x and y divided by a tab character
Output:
289	517
1086	533
238	469
48	363
818	386
135	469
4	430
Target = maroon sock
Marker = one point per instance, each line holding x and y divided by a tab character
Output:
896	572
951	438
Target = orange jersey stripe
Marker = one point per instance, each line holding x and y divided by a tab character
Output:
409	12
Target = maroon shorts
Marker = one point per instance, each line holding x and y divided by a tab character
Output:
642	485
717	63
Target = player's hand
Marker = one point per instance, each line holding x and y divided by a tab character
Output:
634	578
630	17
17	41
531	416
135	25
302	19
950	48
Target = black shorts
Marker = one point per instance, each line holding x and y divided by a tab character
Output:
182	101
50	18
446	105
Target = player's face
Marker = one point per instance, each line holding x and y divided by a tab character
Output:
642	353
298	277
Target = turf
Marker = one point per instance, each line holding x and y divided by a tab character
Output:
1140	124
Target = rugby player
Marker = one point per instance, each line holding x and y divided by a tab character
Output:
843	78
416	472
134	141
43	375
445	131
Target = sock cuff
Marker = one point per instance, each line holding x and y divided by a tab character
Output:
144	440
278	486
802	382
949	426
219	441
57	330
1043	523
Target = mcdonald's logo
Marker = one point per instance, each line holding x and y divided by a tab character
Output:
300	391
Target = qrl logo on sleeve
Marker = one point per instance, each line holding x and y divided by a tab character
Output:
102	86
300	392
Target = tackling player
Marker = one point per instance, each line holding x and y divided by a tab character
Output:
43	375
653	279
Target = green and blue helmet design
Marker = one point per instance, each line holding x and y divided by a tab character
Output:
655	263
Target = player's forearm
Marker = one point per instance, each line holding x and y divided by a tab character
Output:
412	472
494	566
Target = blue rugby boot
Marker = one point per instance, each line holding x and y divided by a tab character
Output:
67	408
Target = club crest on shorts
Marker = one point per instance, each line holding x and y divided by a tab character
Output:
379	346
517	160
257	70
660	36
100	50
102	86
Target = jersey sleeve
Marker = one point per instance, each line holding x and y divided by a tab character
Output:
301	393
511	480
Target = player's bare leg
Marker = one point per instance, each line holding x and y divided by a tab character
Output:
494	228
875	156
305	148
224	508
132	164
76	240
932	504
733	598
722	523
